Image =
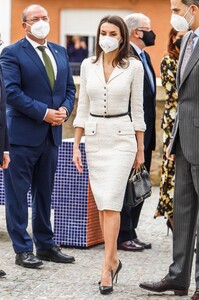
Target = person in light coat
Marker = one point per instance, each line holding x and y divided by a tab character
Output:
110	81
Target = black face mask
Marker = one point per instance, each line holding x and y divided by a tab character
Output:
178	43
148	38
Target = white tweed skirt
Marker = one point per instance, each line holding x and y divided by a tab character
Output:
111	146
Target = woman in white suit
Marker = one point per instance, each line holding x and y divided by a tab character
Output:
109	82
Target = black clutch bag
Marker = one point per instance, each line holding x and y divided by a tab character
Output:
138	187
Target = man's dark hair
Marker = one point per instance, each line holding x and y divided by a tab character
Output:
191	2
124	47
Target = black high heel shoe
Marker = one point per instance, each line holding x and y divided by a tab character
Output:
169	226
115	276
106	289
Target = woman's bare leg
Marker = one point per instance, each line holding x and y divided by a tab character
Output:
110	224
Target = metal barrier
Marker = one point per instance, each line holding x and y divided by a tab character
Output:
75	68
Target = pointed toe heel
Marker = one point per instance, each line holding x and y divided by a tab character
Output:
105	290
169	226
115	276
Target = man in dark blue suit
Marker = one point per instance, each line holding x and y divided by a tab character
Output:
40	97
141	36
4	145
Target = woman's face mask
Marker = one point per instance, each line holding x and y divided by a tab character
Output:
178	43
108	43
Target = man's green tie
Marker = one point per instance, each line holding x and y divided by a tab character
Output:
48	66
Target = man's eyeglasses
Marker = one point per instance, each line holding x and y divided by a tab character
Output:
1	42
35	20
144	28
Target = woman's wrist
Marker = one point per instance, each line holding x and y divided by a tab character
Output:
140	149
76	146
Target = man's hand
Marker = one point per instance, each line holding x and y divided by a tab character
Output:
63	109
6	161
56	117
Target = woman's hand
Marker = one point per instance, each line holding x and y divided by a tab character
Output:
77	159
168	155
139	159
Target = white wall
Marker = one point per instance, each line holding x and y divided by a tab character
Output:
5	21
84	21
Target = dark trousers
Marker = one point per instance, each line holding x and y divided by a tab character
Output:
35	167
130	216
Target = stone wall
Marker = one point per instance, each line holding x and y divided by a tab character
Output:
68	130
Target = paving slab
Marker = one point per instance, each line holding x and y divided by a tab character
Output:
79	281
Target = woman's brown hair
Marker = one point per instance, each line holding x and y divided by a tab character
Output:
172	51
124	47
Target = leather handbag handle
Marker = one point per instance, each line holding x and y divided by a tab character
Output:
137	173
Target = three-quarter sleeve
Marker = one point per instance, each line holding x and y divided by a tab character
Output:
137	96
83	108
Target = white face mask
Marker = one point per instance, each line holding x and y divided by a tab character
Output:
40	29
108	43
179	23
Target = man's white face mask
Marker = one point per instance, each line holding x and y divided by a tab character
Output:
40	29
179	23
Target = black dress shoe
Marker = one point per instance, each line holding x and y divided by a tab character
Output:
130	246
2	273
144	245
164	286
54	254
28	260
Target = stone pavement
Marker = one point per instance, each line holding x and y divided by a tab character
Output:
78	281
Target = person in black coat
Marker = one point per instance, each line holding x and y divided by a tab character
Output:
4	145
141	36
